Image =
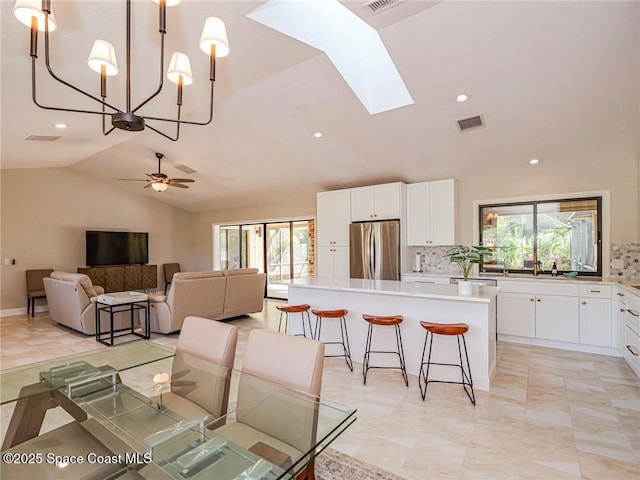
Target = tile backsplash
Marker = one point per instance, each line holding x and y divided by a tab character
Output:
627	255
434	261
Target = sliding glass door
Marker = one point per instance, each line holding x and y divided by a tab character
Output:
283	250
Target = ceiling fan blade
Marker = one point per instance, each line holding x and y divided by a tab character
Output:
182	180
132	180
148	185
179	185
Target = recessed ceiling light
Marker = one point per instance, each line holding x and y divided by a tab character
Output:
463	97
317	134
59	125
534	161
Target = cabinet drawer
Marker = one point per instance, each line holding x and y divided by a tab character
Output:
539	287
595	291
631	352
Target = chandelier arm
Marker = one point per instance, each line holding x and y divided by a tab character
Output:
46	60
162	28
164	134
161	83
187	122
34	96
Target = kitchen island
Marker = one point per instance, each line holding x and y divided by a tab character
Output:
415	302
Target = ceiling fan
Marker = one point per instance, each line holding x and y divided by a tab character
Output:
159	181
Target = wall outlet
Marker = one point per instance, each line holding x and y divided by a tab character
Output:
617	263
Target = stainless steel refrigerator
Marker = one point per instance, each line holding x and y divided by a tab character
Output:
375	250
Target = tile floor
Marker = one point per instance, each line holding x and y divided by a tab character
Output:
551	414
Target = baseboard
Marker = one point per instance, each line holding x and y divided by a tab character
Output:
13	312
575	347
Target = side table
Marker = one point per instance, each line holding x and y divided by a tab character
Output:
121	302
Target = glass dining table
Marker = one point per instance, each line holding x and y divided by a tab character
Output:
123	426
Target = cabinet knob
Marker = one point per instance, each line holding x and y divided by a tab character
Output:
531	300
620	294
539	300
584	303
622	310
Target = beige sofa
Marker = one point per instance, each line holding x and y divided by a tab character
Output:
215	295
71	298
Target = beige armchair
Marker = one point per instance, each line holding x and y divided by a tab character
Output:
199	294
201	370
244	293
293	362
214	295
72	297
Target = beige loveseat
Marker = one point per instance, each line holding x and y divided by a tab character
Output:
215	295
71	298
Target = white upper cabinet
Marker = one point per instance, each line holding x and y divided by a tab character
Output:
431	213
333	216
377	202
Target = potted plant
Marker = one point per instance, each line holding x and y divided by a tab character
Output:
466	257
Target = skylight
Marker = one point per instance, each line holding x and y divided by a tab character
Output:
354	47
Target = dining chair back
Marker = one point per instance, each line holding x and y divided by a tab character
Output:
35	287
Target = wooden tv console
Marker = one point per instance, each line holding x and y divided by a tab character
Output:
122	278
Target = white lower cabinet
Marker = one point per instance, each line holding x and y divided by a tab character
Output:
571	312
550	317
595	321
557	318
517	314
333	262
631	352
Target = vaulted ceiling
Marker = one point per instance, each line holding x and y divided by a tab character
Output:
551	79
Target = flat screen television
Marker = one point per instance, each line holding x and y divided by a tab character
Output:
117	248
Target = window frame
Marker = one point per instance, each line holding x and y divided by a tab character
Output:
598	198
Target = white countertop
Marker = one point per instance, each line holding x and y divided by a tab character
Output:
482	294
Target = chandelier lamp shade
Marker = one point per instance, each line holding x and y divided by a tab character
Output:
38	16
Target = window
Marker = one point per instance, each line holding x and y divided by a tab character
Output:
285	252
565	232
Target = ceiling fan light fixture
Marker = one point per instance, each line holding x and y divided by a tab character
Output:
180	66
159	186
24	10
214	32
103	53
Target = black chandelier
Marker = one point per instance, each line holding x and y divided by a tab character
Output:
38	15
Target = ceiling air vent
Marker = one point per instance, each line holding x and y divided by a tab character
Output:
42	138
185	168
471	123
377	6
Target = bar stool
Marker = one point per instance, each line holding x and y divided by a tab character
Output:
320	314
301	309
457	329
388	321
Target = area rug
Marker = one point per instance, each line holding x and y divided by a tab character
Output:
334	465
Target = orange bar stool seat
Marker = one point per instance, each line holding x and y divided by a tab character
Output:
449	329
291	309
333	314
384	321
